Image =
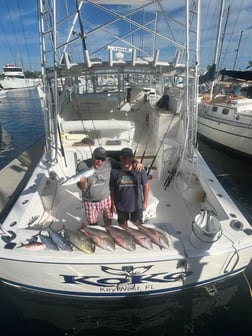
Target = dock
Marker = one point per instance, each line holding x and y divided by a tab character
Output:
15	175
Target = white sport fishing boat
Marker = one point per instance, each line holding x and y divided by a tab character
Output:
205	237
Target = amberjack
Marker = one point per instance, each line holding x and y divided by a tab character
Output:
75	178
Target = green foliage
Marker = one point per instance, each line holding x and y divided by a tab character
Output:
32	74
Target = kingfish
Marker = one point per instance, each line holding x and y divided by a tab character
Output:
156	236
139	237
99	238
59	240
122	238
80	241
75	178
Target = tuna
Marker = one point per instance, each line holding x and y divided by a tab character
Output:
59	240
48	242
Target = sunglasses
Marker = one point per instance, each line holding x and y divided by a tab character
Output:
99	159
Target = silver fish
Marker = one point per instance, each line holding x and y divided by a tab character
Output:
75	178
156	236
59	240
139	237
100	238
122	238
80	241
48	242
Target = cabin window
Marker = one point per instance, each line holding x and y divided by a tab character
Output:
214	108
225	111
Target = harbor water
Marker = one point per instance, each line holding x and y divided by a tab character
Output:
224	308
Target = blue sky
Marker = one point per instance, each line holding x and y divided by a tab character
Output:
19	38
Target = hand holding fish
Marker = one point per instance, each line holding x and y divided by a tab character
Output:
75	178
82	184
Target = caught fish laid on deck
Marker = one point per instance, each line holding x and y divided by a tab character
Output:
156	236
48	242
80	241
33	246
59	240
75	178
100	238
139	237
122	238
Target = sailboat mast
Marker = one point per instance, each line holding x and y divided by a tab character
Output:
217	45
237	50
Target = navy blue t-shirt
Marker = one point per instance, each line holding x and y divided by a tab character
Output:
128	189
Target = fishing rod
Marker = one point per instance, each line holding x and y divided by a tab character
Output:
61	144
56	127
140	136
171	174
84	128
160	145
148	140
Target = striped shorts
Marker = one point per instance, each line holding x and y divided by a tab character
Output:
93	208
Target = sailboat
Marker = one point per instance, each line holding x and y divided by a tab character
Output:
225	112
122	92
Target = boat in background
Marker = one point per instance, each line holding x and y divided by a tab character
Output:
199	235
14	78
225	117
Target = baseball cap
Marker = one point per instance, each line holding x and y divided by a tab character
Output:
99	153
127	152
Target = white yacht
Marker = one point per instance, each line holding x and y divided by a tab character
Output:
14	78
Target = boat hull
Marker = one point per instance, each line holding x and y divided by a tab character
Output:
17	83
109	279
233	136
